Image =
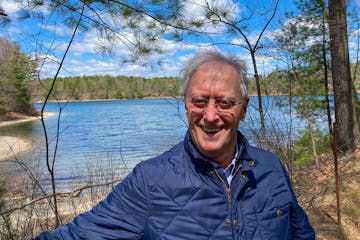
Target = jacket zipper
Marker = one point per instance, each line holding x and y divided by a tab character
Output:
228	193
228	190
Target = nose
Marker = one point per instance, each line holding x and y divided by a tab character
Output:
211	112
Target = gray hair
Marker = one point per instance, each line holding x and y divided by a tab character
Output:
214	56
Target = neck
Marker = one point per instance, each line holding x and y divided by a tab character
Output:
222	159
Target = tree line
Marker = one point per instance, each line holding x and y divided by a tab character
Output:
107	87
19	86
16	70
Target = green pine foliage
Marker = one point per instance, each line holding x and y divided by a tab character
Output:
16	73
302	152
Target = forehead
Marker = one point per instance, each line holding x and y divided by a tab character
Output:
215	78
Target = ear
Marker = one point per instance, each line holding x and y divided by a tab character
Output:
244	107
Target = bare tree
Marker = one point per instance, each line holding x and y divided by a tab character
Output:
253	47
215	19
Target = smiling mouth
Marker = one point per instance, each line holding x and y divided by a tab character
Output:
211	130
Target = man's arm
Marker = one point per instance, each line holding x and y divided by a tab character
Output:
300	226
121	215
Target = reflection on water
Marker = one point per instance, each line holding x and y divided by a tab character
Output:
26	130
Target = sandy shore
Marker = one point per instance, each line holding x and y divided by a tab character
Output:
13	146
24	120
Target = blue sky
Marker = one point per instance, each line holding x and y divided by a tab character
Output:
46	38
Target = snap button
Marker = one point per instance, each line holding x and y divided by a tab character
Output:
244	176
279	213
211	172
227	221
251	163
236	223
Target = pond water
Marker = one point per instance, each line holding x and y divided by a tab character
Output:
97	136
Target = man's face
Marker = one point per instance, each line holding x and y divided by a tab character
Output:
213	130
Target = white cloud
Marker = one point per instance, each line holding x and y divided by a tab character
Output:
88	43
11	6
237	41
47	64
84	57
185	58
354	45
58	30
90	67
195	10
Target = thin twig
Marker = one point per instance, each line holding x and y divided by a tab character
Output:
73	193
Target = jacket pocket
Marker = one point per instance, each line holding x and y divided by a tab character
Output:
275	224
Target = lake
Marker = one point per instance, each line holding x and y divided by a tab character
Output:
95	136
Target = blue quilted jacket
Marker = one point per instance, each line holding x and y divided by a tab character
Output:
181	195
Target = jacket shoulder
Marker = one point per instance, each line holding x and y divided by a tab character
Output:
173	160
263	157
269	170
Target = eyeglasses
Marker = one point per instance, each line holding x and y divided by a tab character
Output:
223	104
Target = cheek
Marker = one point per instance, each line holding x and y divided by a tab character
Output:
243	112
188	115
192	119
231	118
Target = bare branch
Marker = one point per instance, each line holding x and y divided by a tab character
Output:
73	193
50	166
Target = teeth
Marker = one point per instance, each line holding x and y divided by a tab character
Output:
211	130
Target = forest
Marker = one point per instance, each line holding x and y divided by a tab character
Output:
109	87
313	43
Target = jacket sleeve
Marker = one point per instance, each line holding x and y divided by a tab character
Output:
121	215
301	228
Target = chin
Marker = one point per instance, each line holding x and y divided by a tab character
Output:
211	151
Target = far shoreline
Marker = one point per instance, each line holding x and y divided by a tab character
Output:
142	98
110	99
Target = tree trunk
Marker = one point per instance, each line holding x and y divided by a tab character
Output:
347	127
356	98
261	111
325	67
310	128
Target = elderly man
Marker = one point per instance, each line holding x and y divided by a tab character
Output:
212	185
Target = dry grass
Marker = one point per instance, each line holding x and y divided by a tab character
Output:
316	190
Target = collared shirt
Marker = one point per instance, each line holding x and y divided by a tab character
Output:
230	169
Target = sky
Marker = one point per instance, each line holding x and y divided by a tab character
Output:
46	38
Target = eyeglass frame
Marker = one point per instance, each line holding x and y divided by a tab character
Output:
216	101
